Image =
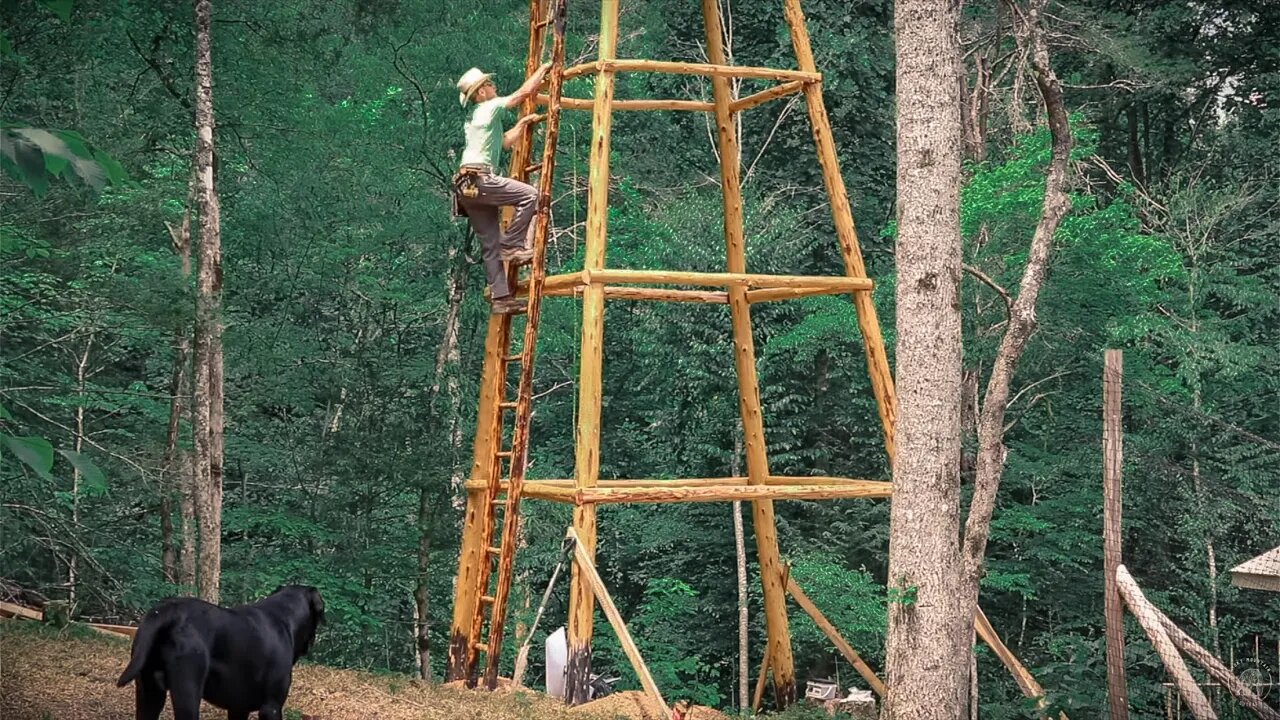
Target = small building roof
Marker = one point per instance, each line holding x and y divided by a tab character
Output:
1260	573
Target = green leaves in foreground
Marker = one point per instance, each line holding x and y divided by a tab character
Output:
33	156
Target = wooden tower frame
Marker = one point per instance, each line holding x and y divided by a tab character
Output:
736	288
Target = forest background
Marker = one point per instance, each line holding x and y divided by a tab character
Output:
349	422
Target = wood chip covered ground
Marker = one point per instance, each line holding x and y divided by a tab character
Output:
45	675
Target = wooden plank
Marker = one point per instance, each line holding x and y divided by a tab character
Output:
712	70
847	233
764	96
1147	616
1112	505
766	532
792	293
26	613
836	638
587	435
656	104
117	630
588	569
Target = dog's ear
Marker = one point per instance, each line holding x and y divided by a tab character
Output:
317	604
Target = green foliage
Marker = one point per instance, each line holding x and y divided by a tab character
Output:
338	128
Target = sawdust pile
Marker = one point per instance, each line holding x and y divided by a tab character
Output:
44	674
635	705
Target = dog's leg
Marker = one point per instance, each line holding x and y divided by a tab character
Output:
150	697
186	685
269	712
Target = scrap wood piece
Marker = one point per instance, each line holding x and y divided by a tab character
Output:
118	630
11	610
1148	617
834	636
1026	681
757	698
588	569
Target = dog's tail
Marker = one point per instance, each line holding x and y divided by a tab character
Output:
150	627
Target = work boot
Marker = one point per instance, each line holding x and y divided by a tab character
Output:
509	305
518	256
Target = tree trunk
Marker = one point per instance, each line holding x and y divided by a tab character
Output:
178	563
73	562
740	548
926	657
448	357
207	388
1022	314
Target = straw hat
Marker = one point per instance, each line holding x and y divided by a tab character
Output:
471	81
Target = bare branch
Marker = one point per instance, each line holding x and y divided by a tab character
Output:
1022	313
986	280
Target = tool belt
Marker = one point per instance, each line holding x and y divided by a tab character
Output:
466	184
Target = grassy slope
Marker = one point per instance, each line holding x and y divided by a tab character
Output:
70	675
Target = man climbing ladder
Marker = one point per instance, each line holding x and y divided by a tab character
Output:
480	193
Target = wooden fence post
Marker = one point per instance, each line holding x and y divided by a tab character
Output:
1112	503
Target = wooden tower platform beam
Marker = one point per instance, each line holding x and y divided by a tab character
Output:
587	446
766	530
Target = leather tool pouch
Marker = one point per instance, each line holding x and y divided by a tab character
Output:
466	184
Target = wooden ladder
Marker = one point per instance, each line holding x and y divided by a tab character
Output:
507	467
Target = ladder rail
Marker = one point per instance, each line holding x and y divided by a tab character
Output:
494	605
524	401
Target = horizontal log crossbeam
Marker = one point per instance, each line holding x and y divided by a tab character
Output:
778	487
760	288
686	68
793	81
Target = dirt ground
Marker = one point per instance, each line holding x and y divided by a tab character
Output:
71	676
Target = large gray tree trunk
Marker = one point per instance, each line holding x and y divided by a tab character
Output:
207	387
927	656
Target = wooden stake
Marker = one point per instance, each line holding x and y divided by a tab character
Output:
877	360
587	448
1147	616
1112	505
834	636
587	568
771	571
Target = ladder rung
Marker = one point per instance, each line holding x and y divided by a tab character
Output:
507	405
504	453
482	647
487	599
514	358
495	550
532	168
543	22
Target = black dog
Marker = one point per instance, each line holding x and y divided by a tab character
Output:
239	659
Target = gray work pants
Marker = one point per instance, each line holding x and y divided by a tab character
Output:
484	211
